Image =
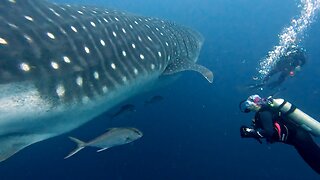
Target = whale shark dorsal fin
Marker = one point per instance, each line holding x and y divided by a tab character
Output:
11	144
179	65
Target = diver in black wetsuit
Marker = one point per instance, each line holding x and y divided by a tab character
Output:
288	65
270	124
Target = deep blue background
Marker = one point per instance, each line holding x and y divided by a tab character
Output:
194	132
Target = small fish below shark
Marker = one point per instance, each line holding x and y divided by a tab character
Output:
153	100
113	137
123	109
63	65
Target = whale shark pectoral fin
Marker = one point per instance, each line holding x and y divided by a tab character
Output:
11	144
186	65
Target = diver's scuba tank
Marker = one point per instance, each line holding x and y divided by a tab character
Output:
296	116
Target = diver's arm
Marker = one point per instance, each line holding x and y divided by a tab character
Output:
266	130
265	118
279	81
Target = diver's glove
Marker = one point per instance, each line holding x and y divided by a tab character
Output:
247	132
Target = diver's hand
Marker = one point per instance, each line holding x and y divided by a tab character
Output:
247	132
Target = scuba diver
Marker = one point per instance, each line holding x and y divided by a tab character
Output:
277	120
287	66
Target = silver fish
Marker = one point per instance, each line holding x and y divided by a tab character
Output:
63	65
113	137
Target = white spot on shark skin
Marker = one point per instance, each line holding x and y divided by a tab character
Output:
133	46
116	19
85	99
87	50
60	90
105	20
80	12
3	41
28	38
54	12
54	65
114	34
102	42
29	18
66	59
74	29
139	38
124	53
25	67
124	79
131	26
113	66
159	53
12	1
149	38
13	26
104	89
135	71
93	24
152	66
167	44
62	30
142	56
50	35
96	75
79	81
124	31
135	22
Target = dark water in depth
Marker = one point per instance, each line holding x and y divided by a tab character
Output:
194	132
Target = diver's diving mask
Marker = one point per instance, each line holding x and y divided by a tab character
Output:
253	103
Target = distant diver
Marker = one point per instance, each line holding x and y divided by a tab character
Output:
287	66
113	137
277	120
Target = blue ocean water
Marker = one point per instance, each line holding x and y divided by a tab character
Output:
194	132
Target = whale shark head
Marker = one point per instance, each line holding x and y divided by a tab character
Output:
62	65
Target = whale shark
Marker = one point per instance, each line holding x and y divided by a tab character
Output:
61	65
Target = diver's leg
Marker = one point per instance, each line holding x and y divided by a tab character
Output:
269	75
308	149
279	81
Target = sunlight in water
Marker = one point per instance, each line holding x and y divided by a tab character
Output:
291	35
